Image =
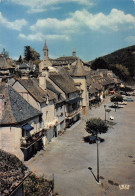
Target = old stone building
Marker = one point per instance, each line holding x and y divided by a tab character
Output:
79	76
20	123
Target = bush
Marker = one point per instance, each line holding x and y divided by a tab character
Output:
117	98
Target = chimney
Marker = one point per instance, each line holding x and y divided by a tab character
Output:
42	78
2	105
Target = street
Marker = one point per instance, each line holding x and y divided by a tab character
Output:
68	157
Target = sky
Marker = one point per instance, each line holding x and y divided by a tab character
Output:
92	27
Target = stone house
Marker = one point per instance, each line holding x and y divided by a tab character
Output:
6	70
79	76
20	124
59	106
64	83
40	97
95	91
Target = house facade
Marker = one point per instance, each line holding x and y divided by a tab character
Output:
79	76
20	125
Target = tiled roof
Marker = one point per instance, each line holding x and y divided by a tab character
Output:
3	63
109	80
53	93
78	70
17	109
64	81
12	172
31	85
65	60
24	66
92	90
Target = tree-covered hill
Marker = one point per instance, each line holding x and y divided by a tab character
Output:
124	57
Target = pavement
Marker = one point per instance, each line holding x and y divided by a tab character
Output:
67	158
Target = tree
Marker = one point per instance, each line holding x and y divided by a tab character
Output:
120	71
95	126
30	54
5	53
116	98
27	53
99	63
126	89
20	60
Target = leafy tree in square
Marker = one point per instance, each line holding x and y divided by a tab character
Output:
95	126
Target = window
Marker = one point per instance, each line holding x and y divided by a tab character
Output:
40	118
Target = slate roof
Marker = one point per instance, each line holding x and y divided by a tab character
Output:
64	81
78	70
65	60
92	90
3	63
32	86
55	94
17	109
24	66
12	172
109	80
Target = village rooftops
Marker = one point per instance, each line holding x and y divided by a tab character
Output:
78	70
16	109
64	81
4	64
32	86
55	94
40	95
12	173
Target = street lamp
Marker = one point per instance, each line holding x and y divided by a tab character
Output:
105	112
97	142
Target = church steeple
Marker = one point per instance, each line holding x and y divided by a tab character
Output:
45	50
45	61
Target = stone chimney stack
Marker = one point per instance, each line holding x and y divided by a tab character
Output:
2	105
42	78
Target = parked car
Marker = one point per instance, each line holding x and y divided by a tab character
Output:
111	118
116	106
128	99
93	138
133	94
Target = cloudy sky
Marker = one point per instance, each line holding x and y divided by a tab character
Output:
93	27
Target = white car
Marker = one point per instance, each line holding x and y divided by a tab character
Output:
111	118
122	103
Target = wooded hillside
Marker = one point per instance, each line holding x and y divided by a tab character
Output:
124	57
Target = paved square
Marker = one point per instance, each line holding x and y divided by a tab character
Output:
68	157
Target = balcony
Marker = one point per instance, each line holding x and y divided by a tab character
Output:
49	125
27	142
73	113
